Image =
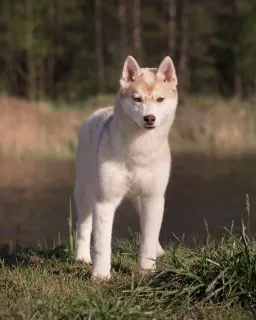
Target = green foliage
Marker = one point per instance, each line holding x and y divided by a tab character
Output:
48	47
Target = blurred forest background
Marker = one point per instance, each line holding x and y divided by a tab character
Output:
70	50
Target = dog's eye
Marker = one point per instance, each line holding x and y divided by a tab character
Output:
137	99
160	99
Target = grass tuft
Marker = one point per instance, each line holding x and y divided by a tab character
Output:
209	281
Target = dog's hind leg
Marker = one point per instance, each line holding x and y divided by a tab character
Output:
83	199
136	201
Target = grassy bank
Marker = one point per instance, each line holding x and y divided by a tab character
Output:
208	281
51	129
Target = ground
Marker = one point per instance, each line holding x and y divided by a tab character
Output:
208	281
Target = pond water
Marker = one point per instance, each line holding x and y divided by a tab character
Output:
34	198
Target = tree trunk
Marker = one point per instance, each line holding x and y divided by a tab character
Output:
183	61
254	89
99	45
8	50
53	22
238	88
41	84
238	94
30	51
172	27
137	29
123	30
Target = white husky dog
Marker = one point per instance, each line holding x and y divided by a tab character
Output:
123	151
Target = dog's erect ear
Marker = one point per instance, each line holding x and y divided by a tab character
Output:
131	71
166	71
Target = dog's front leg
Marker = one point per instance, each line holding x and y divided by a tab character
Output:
137	204
103	217
151	219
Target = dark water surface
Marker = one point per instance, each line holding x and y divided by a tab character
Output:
34	198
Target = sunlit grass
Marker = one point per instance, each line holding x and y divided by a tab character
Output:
212	280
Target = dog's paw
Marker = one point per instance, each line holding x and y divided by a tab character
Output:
86	260
146	272
160	252
147	263
97	276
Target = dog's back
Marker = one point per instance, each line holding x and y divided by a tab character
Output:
89	139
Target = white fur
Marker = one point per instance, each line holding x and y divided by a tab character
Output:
117	158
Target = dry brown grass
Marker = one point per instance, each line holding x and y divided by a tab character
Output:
201	124
215	124
27	126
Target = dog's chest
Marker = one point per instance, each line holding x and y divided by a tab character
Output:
139	180
141	170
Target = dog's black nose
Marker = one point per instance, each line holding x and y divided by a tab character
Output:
150	119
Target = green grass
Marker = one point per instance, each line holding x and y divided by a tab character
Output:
209	281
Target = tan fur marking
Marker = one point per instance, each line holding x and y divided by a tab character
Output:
150	86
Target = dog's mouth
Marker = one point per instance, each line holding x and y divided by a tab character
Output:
149	127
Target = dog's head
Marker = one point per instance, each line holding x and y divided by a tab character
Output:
149	96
